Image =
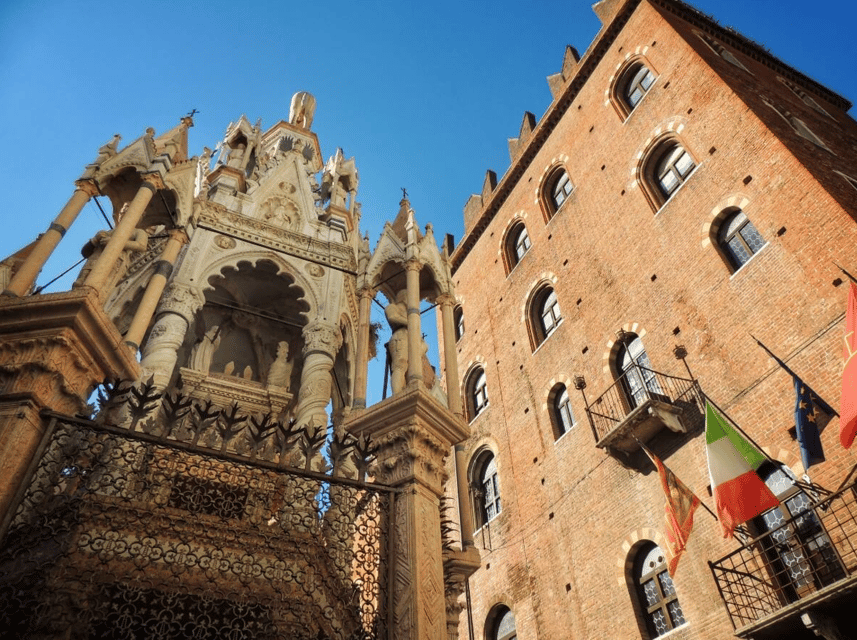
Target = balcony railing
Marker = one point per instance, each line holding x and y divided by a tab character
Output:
783	572
633	395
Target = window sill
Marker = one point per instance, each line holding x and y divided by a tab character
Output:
753	257
549	336
671	632
678	189
637	106
562	437
480	414
523	257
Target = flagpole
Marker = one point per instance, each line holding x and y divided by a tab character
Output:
850	277
738	427
646	451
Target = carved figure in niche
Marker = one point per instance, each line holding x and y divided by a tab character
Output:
302	109
280	373
92	250
397	316
105	152
203	351
236	155
339	178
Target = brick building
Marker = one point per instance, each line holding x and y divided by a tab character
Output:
685	187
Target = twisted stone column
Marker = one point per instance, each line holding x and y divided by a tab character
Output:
176	312
321	344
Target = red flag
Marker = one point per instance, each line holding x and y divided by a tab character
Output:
678	510
848	404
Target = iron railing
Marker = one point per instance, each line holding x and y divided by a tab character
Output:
634	387
193	527
813	549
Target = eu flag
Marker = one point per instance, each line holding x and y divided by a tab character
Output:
806	423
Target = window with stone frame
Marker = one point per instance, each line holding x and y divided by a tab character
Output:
636	82
738	239
557	188
517	244
562	418
501	624
545	314
672	167
486	488
656	592
458	320
477	392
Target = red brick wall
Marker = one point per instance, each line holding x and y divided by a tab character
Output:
571	512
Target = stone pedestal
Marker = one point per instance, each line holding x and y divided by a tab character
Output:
414	433
54	349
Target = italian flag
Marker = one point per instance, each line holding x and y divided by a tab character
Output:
739	493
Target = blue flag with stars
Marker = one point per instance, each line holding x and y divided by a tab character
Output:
806	423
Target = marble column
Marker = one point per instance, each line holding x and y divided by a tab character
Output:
97	278
45	245
415	337
321	344
362	368
157	283
450	358
175	314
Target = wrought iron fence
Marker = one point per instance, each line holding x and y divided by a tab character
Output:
634	387
126	533
811	550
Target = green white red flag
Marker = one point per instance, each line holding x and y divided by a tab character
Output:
739	492
678	511
848	403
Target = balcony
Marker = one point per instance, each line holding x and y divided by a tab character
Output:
798	576
639	405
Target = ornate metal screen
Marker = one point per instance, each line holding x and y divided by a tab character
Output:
148	534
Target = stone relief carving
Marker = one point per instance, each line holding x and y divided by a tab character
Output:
314	270
280	211
322	337
299	245
181	299
224	242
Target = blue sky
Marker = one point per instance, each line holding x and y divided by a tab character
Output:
424	95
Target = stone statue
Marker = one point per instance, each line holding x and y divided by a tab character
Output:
280	373
203	351
397	316
302	110
236	156
92	250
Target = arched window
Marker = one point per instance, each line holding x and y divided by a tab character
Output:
517	244
557	188
486	487
562	417
738	239
800	554
639	381
545	315
458	319
672	168
501	624
477	392
664	169
656	591
635	84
